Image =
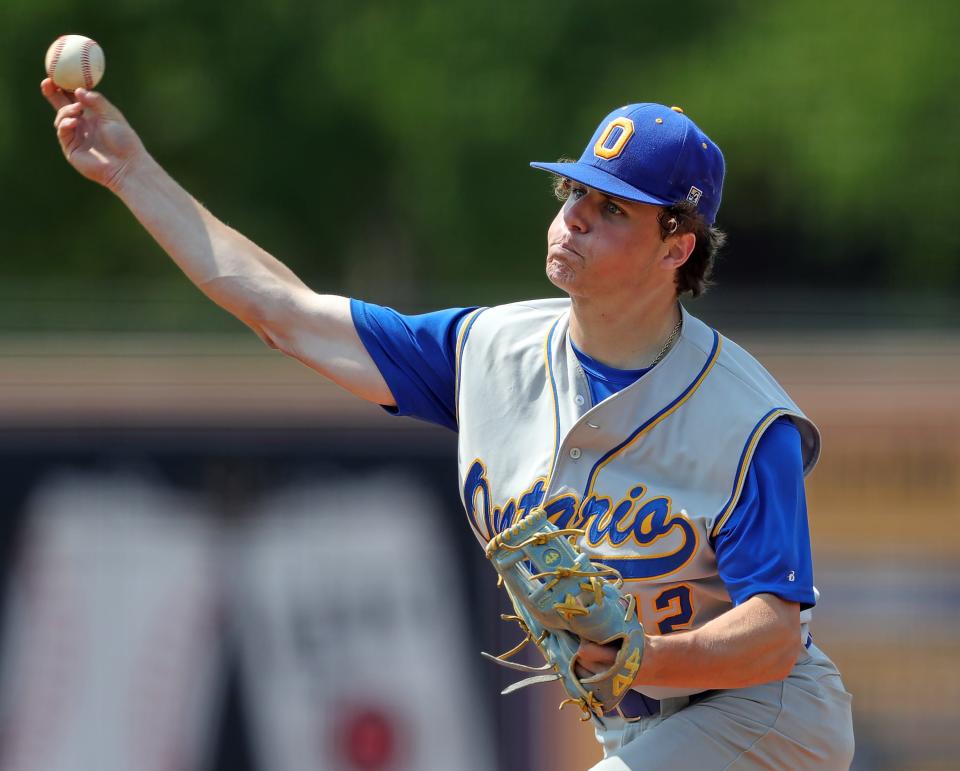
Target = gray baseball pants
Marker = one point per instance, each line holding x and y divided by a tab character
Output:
801	722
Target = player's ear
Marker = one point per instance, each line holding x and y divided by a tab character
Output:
679	248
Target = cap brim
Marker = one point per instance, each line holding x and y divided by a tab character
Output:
601	180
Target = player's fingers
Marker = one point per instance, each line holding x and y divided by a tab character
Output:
591	653
98	103
56	96
582	672
66	131
594	658
72	110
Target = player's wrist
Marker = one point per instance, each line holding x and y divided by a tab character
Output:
134	174
662	655
647	673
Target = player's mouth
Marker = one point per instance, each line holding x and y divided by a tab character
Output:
565	251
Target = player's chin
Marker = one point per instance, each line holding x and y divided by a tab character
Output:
560	274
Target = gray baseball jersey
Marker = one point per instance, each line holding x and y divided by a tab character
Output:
651	473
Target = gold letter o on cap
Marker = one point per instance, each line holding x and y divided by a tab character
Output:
617	147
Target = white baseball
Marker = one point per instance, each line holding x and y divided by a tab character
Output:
75	61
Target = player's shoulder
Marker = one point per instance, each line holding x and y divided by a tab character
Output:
548	307
527	315
738	378
742	369
737	359
517	327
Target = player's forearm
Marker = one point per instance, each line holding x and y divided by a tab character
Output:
756	642
229	268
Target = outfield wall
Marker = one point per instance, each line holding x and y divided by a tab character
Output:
236	427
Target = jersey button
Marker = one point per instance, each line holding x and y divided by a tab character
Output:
578	399
575	452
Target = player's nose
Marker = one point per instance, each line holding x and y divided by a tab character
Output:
576	214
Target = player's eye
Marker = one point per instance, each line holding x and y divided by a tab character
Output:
573	190
612	208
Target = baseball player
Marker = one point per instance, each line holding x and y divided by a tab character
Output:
613	409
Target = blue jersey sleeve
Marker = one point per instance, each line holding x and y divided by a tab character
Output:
765	544
416	356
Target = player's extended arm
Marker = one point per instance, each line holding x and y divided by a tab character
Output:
229	268
756	642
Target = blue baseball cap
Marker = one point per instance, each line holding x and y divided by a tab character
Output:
652	154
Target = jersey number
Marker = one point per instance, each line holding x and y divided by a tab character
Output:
676	598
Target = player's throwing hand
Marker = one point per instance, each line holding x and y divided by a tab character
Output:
94	136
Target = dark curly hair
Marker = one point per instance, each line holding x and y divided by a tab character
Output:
694	275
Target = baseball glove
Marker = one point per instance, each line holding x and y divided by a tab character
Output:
560	597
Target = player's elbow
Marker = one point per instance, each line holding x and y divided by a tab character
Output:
287	320
784	645
273	324
773	659
779	621
269	339
784	658
265	305
263	326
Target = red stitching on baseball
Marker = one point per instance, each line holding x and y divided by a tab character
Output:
61	42
85	64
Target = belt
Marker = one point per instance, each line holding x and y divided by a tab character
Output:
635	704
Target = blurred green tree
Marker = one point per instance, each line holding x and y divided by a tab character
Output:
381	148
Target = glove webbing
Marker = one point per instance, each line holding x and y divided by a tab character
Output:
588	703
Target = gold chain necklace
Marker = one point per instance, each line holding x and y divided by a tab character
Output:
667	344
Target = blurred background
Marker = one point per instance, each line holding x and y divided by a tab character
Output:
213	559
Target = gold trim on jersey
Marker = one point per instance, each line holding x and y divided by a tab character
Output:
751	446
665	413
548	368
461	342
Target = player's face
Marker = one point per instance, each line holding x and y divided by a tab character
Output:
599	246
